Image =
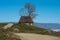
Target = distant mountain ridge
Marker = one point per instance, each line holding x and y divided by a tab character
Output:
10	22
50	26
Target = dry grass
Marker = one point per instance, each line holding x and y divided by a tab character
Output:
7	35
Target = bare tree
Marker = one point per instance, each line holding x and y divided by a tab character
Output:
30	9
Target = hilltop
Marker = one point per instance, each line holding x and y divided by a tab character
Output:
23	28
18	30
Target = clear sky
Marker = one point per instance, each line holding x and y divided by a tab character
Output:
48	10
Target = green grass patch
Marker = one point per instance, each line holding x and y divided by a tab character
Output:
3	24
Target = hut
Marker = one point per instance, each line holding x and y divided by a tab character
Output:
26	20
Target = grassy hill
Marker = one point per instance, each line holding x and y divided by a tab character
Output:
23	28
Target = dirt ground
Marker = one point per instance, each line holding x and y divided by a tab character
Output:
7	26
30	36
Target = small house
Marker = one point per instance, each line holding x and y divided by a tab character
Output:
26	20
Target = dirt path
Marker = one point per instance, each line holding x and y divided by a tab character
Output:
7	26
29	36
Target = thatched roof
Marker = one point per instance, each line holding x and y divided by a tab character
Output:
25	19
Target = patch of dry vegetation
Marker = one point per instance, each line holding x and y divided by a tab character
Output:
7	35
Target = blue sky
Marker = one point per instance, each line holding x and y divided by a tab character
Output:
48	10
